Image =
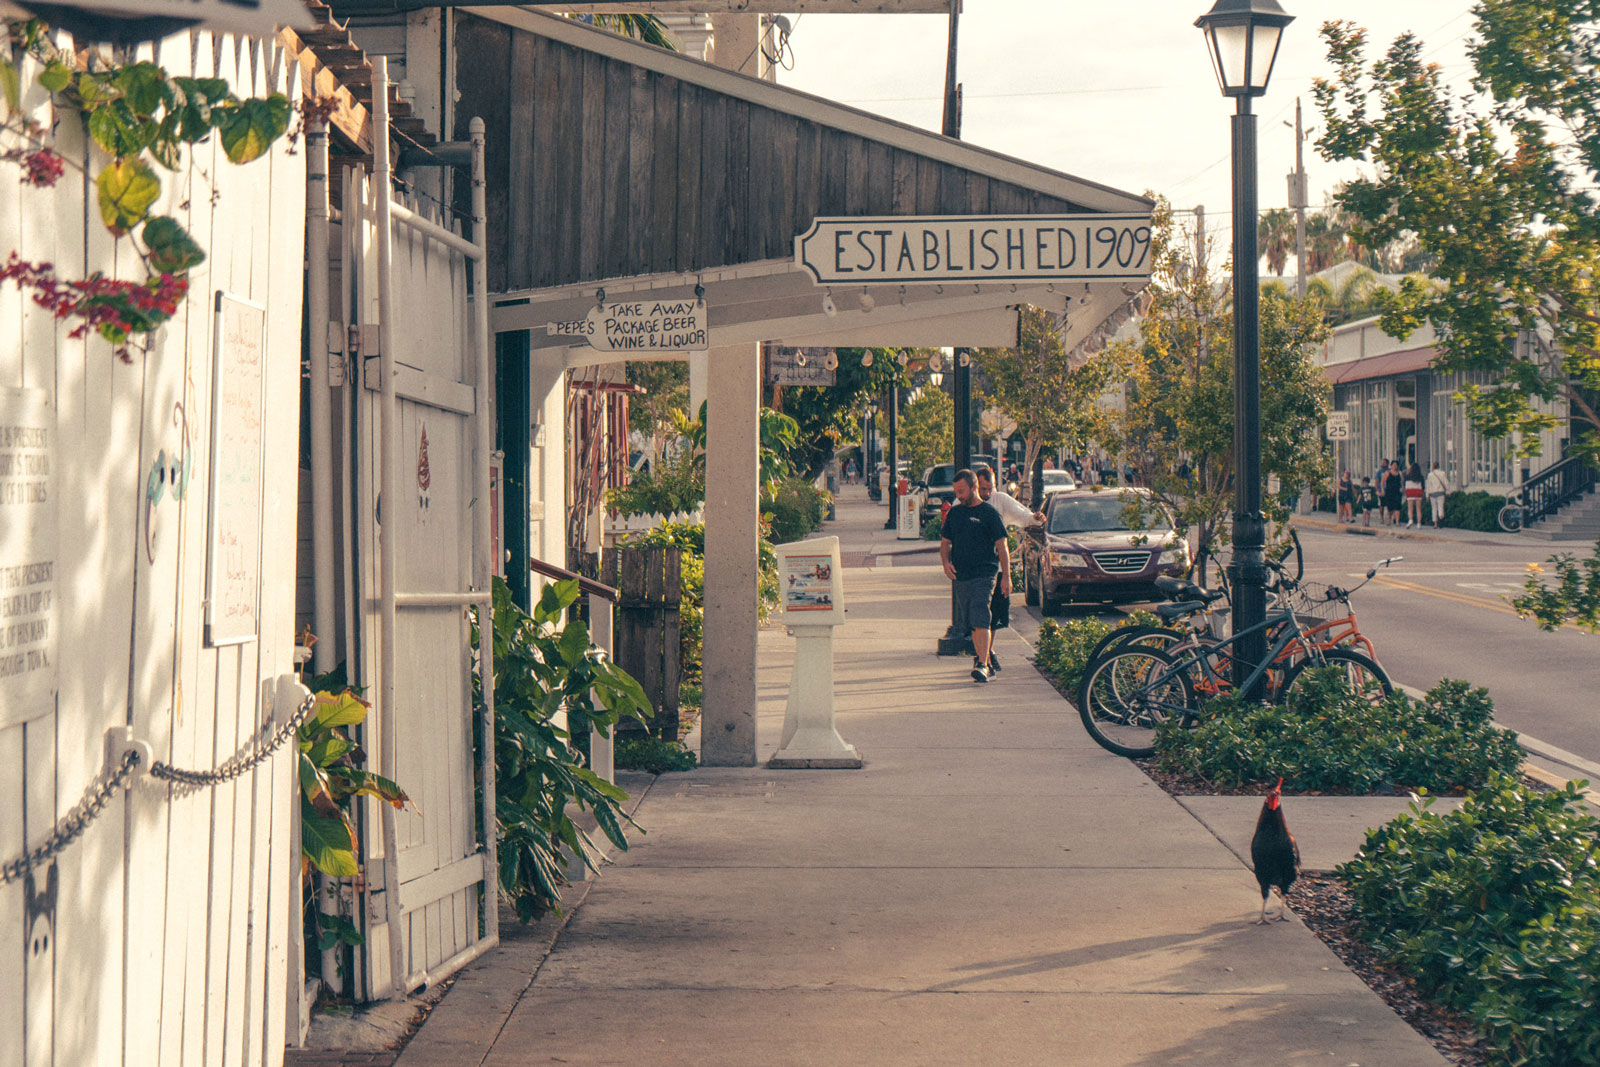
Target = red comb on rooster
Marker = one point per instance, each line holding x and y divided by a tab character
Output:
1274	853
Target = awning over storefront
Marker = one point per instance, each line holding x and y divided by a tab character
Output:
621	166
1390	363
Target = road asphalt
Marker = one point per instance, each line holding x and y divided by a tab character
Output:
989	888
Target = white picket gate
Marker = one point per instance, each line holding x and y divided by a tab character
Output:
161	935
423	557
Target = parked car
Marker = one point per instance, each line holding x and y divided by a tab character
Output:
941	482
1085	550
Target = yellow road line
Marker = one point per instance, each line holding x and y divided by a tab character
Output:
1459	598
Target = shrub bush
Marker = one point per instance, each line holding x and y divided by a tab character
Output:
1469	511
932	529
795	510
653	755
675	485
1330	738
1495	907
1063	648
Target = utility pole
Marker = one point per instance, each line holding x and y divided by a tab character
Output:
1199	236
1297	200
961	372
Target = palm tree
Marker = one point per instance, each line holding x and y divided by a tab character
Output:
646	28
1277	238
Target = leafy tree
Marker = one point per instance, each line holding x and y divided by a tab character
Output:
646	28
828	416
666	390
926	431
1177	423
1497	185
1053	402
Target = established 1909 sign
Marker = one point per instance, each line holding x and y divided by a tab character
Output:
976	248
641	326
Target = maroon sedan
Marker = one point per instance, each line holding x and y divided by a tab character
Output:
1086	550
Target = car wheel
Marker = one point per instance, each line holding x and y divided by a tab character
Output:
1048	607
1030	590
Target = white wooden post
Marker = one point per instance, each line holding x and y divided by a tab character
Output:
602	749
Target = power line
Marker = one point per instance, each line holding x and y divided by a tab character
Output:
1005	96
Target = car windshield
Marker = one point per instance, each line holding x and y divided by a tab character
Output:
1094	514
1057	478
942	475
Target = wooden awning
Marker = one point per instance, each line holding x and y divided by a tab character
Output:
608	158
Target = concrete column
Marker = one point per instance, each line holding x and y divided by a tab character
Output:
728	725
697	382
734	42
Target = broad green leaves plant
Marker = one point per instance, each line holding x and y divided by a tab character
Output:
330	773
543	664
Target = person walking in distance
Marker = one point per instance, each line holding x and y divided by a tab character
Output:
1347	498
1393	494
1380	482
1013	513
1367	501
972	547
1413	490
1436	489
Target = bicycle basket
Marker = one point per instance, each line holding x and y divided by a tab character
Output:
1314	602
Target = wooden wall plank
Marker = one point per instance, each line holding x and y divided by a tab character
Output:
855	176
713	209
664	197
641	159
13	955
952	191
614	189
880	179
781	214
903	177
483	73
927	186
530	107
687	216
977	194
756	222
738	157
592	163
563	254
808	177
834	160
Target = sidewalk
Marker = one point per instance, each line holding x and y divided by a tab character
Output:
991	888
1325	521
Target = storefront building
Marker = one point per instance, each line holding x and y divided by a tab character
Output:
1401	408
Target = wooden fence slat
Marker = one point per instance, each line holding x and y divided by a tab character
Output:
641	144
13	954
592	166
687	218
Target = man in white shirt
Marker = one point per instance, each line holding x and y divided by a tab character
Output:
1012	513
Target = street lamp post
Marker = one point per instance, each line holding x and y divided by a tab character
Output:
891	456
1242	38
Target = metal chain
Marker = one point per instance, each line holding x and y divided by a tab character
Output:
94	801
237	765
70	828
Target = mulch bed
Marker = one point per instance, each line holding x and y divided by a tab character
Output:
1323	904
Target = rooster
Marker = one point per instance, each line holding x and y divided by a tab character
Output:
1274	853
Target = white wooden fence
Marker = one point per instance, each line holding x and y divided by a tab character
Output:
618	526
160	936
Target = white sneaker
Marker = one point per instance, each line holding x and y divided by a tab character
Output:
980	671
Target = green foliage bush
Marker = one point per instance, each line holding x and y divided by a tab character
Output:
1062	649
1495	908
543	664
933	529
674	485
653	755
1470	511
795	510
1330	737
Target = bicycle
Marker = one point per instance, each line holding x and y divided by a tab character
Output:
1130	691
1513	514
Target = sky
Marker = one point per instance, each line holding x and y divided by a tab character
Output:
1121	94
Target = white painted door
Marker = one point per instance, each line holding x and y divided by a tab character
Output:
432	850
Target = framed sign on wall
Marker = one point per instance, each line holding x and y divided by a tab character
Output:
233	542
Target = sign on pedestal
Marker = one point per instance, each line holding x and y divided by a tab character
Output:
811	604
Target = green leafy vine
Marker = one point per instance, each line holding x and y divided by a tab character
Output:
141	117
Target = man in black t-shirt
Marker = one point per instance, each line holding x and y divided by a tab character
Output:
972	547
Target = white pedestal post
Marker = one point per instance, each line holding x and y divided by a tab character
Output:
810	739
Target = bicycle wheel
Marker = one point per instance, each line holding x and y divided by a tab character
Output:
1511	518
1145	635
1361	672
1129	693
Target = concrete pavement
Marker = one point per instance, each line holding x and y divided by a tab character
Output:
990	888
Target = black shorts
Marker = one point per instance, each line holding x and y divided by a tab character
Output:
973	597
999	609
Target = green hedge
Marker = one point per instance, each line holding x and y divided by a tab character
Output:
795	510
1469	511
1062	648
1330	738
1495	908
